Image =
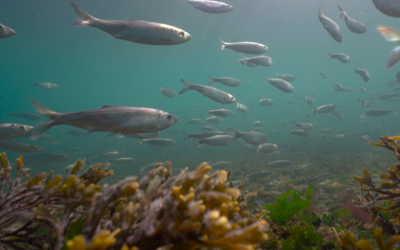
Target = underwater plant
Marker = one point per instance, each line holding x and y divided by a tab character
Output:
189	210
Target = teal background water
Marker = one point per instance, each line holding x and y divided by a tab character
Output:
94	69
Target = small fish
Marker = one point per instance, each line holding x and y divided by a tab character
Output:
320	178
142	135
252	137
341	57
301	133
245	47
19	147
286	77
338	87
13	130
274	154
214	119
111	154
246	64
258	175
388	7
364	138
212	7
326	131
281	84
387	96
380	112
46	85
193	121
217	140
337	114
220	112
362	89
159	142
265	102
267	147
167	92
6	31
303	125
151	165
241	107
330	26
221	164
25	116
265	61
136	31
258	124
309	100
210	128
353	25
303	169
126	160
340	137
324	109
251	147
279	164
212	93
76	132
227	81
363	73
323	75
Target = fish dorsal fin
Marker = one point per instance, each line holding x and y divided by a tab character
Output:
112	106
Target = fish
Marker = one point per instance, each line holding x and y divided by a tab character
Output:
281	84
308	100
212	7
214	119
6	31
362	89
117	119
227	81
245	47
151	165
136	31
286	77
143	135
338	87
363	73
279	164
19	147
326	131
167	92
330	26
303	125
202	135
324	109
193	121
251	147
220	112
124	160
212	93
320	178
337	114
76	132
303	169
221	164
388	7
265	61
340	137
112	153
323	75
265	102
341	57
25	116
258	175
387	96
252	137
216	140
301	133
246	64
323	136
159	142
353	25
241	107
364	138
12	130
380	112
258	124
267	148
46	85
210	128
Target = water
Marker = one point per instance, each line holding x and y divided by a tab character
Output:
94	69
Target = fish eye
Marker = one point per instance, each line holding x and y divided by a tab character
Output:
169	117
1	27
182	34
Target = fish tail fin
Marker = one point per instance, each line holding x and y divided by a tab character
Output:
33	84
340	9
390	35
87	19
394	111
295	125
186	136
197	142
330	57
185	89
268	80
234	132
41	109
212	80
41	128
315	111
208	112
223	43
342	15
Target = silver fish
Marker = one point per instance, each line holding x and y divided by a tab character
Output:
302	133
143	135
258	175
241	107
19	147
6	31
210	128
267	147
286	77
309	100
353	25
258	124
193	121
167	92
265	61
324	109
251	147
363	73
341	57
274	154
252	137
364	138
303	169
265	102
338	87
330	26
337	114
388	7
320	178
76	132
326	131
387	96
245	47
227	81
13	130
126	160
212	93
303	125
25	116
248	64
202	135
111	154
159	142
362	89
212	7
380	112
216	140
340	137
220	112
391	35
214	119
134	30
46	85
221	164
279	163
281	84
117	119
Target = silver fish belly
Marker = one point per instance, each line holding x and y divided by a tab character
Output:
330	26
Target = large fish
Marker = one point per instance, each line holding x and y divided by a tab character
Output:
6	31
353	25
19	147
13	130
330	26
25	116
212	93
212	7
117	119
137	31
388	7
391	35
245	47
